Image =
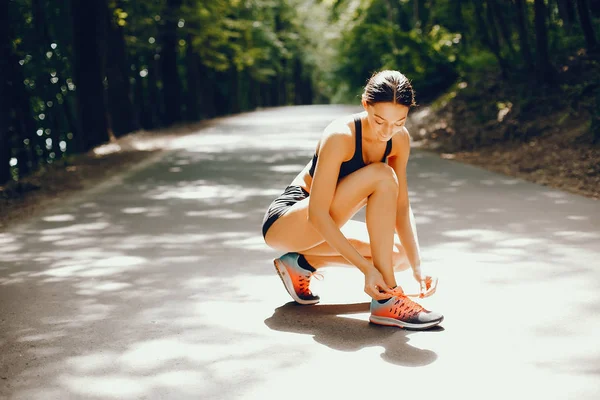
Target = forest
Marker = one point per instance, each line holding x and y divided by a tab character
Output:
77	74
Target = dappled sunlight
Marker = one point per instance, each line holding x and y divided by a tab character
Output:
213	194
162	285
59	218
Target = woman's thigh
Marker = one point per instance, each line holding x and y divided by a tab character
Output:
293	232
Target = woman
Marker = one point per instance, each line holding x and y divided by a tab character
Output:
360	160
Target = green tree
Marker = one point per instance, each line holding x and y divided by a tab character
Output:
123	118
586	25
544	67
88	73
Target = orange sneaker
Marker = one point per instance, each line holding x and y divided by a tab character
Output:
295	278
402	312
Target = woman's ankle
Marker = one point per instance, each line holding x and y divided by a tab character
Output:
305	264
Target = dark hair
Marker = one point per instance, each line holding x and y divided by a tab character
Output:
389	87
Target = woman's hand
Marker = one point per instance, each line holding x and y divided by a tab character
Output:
376	287
427	283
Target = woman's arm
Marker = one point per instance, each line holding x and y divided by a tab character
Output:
405	220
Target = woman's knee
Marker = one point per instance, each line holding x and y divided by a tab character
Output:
383	175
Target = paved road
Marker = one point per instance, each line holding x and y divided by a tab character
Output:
157	285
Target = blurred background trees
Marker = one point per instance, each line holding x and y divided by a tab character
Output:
76	73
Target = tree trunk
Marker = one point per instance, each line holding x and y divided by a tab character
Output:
492	37
460	21
207	88
88	75
192	92
233	94
123	117
403	18
522	20
567	14
544	68
504	27
154	94
168	57
585	20
6	89
18	107
139	99
5	134
419	14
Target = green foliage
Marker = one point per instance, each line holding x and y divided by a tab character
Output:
235	55
375	43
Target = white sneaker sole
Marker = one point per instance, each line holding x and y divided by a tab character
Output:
394	322
289	285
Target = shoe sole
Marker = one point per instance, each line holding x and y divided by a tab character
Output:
400	324
288	284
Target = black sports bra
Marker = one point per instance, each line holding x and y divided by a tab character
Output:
356	162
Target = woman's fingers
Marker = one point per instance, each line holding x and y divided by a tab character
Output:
379	292
428	286
383	287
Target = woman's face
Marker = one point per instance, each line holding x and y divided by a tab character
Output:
386	119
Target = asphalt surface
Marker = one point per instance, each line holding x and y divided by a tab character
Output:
157	285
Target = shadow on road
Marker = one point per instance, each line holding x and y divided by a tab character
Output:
329	327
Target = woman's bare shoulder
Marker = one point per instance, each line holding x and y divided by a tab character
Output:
339	133
340	126
401	143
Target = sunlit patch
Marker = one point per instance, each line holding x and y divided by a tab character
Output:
11	281
577	218
218	214
460	182
6	249
119	261
5	238
477	234
134	210
423	220
43	336
577	235
180	259
174	169
59	218
252	243
107	149
510	252
115	386
82	265
78	241
92	362
519	242
51	238
287	168
64	271
94	287
78	228
214	194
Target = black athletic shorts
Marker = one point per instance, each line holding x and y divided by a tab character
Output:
290	196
